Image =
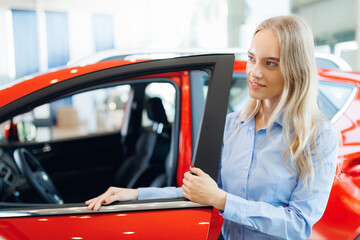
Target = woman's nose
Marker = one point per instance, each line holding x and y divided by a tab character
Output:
256	71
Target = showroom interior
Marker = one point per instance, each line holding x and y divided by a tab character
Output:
58	32
83	122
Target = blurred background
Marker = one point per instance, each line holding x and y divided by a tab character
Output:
38	35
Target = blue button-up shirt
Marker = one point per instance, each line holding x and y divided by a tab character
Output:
266	199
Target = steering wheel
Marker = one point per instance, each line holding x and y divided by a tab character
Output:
36	176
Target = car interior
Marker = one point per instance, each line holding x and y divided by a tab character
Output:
125	138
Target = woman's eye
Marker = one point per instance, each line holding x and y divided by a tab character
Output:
251	59
271	64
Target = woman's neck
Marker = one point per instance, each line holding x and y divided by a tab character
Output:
264	114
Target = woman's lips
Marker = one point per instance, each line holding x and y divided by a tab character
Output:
256	85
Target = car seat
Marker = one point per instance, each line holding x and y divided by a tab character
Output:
151	151
166	178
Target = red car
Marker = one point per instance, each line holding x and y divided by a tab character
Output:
68	135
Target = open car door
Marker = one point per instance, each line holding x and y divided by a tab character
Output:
151	219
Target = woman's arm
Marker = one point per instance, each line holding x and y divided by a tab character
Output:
111	195
123	194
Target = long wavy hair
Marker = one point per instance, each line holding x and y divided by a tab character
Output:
299	97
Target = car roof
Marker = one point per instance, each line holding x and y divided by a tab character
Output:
325	60
133	55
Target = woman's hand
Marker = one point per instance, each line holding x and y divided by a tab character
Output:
201	188
111	195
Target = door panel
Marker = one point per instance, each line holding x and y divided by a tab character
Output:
159	224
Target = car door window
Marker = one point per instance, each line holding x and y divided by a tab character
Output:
167	93
90	112
239	92
82	120
239	96
334	97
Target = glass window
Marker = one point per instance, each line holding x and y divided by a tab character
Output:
95	111
25	42
80	136
238	98
333	97
239	92
164	91
103	26
57	38
326	63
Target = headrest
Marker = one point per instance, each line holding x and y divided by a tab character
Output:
156	111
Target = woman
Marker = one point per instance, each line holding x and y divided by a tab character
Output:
279	155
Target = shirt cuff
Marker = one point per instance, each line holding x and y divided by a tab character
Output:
145	193
235	209
157	193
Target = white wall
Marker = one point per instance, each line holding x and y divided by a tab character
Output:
138	24
327	17
7	60
258	11
330	17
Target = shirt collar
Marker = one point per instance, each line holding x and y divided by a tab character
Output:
278	120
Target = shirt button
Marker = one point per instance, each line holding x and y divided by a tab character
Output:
243	189
246	168
234	216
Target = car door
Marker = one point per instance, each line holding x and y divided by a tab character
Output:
175	218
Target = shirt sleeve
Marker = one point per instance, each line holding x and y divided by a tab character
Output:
305	207
219	180
156	193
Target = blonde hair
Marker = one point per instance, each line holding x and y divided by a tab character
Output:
299	97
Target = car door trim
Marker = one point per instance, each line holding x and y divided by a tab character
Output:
68	209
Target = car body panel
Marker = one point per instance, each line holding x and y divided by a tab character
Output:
155	224
341	219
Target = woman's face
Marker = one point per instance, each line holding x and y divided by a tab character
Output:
263	67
